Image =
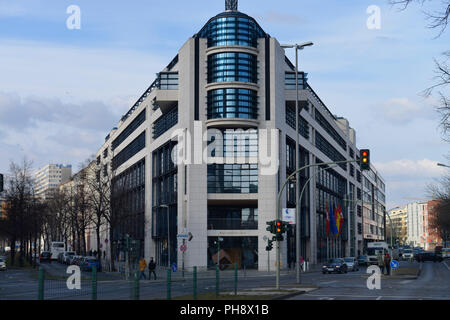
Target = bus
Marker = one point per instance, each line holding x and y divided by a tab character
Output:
56	248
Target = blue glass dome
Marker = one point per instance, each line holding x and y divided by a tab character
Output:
232	28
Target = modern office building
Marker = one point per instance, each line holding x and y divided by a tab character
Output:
374	206
416	217
230	93
48	178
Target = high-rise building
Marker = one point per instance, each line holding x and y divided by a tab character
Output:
230	93
48	178
417	211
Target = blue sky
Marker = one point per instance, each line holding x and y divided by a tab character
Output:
62	90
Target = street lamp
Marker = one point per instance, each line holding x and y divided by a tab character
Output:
297	157
168	233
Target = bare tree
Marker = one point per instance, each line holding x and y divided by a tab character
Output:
441	211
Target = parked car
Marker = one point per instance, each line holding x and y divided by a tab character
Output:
87	263
60	257
428	256
66	256
445	254
335	265
45	256
363	260
352	263
2	265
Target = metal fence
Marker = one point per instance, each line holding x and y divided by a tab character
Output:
168	285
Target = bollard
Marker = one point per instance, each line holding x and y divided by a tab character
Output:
217	281
41	284
194	285
136	286
168	284
94	283
235	278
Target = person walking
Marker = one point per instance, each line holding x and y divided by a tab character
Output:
142	266
380	261
151	269
387	263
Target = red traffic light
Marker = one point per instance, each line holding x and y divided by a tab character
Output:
278	223
364	154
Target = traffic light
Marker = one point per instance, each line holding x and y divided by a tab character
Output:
269	246
279	228
1	182
271	226
364	156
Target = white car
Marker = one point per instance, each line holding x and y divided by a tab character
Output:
407	254
352	263
67	256
2	265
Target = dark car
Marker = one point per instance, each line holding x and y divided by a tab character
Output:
87	263
45	256
428	256
335	265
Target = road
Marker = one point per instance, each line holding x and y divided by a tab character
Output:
433	283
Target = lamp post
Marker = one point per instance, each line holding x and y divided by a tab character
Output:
168	233
297	157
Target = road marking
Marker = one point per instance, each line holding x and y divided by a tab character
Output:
379	298
405	282
326	298
328	282
446	265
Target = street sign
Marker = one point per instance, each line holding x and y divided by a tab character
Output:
289	215
183	248
183	236
174	267
394	264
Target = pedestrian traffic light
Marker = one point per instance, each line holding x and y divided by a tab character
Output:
279	230
269	246
365	159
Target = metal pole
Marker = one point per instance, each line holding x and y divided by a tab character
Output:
168	237
297	164
136	285
235	278
194	285
169	284
94	283
41	284
217	281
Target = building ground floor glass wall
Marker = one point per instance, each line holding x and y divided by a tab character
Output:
231	250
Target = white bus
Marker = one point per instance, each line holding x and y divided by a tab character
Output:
57	248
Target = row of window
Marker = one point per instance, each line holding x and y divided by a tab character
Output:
323	145
232	103
232	30
233	178
232	218
129	151
167	81
127	132
330	130
290	82
165	122
233	143
303	126
232	66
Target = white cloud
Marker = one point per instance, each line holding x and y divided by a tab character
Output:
410	169
403	110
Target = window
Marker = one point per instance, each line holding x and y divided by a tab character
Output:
232	30
232	103
330	130
232	143
166	122
232	66
233	178
167	81
323	145
129	151
232	218
129	130
290	83
303	126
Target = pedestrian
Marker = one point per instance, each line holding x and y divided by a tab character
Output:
380	261
151	269
142	266
387	263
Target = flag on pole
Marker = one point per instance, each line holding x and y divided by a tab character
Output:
341	218
328	221
336	218
334	230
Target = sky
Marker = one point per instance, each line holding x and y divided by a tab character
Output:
62	90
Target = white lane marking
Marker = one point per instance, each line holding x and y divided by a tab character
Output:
405	282
446	265
328	282
379	298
